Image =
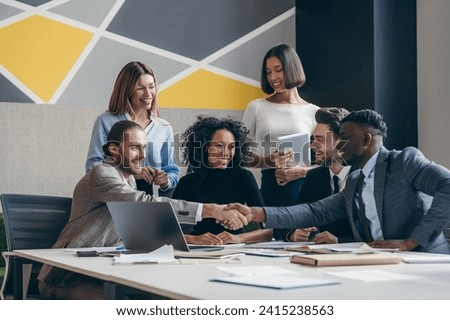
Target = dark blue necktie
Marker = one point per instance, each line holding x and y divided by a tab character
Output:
365	232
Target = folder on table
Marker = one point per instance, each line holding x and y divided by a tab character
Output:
345	259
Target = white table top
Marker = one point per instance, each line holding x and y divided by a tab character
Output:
192	281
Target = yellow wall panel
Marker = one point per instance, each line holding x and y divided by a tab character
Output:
40	52
208	90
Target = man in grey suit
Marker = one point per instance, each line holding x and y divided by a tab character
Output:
90	223
398	199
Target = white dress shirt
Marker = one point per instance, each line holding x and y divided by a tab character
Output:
342	178
369	198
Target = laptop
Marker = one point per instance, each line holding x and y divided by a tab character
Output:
299	142
146	226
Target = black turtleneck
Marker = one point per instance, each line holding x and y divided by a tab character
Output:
221	186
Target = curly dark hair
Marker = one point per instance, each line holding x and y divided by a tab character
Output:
368	118
197	136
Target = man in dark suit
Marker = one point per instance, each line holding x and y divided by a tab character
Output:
324	180
398	199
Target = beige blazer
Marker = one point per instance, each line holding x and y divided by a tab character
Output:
90	223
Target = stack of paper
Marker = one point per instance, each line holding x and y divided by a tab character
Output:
424	257
269	277
276	281
269	253
221	254
275	245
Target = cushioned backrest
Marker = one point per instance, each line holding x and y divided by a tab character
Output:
34	221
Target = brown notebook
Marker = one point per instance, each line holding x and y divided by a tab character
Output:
345	259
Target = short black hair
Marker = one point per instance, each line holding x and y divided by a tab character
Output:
292	67
116	134
369	118
199	134
331	116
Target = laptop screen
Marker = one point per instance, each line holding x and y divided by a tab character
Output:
146	226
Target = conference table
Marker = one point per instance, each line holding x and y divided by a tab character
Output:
191	279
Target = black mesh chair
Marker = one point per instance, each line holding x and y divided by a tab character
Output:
31	222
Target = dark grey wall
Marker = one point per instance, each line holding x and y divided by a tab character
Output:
362	54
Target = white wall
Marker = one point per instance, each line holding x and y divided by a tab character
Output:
433	52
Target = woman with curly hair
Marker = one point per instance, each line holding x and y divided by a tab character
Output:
215	153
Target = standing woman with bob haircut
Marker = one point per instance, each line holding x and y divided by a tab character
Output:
134	98
283	112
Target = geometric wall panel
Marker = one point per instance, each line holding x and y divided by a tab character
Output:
86	11
7	11
35	3
10	93
246	59
70	52
52	54
207	90
194	28
96	77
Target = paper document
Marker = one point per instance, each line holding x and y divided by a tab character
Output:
423	257
276	281
276	245
256	270
164	254
221	254
269	253
373	275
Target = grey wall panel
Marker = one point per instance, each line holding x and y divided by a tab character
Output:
10	93
94	81
34	3
87	11
246	59
194	28
7	11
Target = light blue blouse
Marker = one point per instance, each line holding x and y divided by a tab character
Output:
160	152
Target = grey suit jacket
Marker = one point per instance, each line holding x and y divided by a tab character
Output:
90	223
412	196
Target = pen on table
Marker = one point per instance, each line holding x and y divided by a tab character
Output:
120	248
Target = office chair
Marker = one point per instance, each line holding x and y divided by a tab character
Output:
31	222
447	232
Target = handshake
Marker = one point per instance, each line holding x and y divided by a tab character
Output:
233	216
